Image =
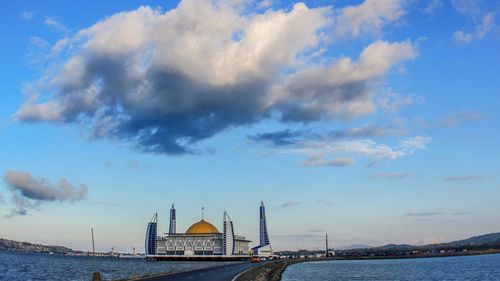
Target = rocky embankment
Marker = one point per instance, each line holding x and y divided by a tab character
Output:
269	271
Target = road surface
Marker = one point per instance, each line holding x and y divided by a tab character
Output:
219	273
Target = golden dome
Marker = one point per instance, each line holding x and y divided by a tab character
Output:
202	227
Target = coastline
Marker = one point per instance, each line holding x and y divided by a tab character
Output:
273	271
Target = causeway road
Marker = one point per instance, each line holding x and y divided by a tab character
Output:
219	273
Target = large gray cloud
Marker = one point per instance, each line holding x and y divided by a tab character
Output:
41	189
29	192
165	81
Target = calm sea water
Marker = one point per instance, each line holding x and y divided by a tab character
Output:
484	267
27	267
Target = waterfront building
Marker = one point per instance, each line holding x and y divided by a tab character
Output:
202	240
264	249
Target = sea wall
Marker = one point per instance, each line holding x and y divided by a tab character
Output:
269	271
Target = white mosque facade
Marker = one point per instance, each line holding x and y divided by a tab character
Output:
202	240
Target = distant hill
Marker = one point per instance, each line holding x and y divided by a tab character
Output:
491	240
354	246
395	246
25	247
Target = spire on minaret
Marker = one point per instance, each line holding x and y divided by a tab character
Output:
264	238
172	227
202	213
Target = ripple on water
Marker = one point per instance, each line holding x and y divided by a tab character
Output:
483	267
31	267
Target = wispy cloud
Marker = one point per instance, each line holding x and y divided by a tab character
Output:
460	213
426	215
482	29
324	202
369	17
52	23
305	236
342	147
393	102
290	204
136	165
317	230
280	138
108	204
467	7
289	137
368	131
27	15
449	121
391	175
464	178
423	214
335	162
432	5
263	4
324	152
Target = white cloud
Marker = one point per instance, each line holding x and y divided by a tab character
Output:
464	178
316	161
392	175
393	102
27	15
342	153
29	192
38	42
290	204
432	5
165	81
368	17
467	7
40	189
486	25
423	214
52	23
462	37
341	90
454	120
265	4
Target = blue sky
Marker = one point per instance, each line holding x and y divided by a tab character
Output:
372	121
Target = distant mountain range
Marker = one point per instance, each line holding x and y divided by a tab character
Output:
354	246
491	240
25	247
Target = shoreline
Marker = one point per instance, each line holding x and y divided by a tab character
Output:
273	271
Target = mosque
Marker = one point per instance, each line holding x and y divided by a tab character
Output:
201	241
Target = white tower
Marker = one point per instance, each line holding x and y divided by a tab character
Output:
228	243
171	229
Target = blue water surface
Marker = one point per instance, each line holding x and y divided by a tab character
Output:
27	267
482	267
